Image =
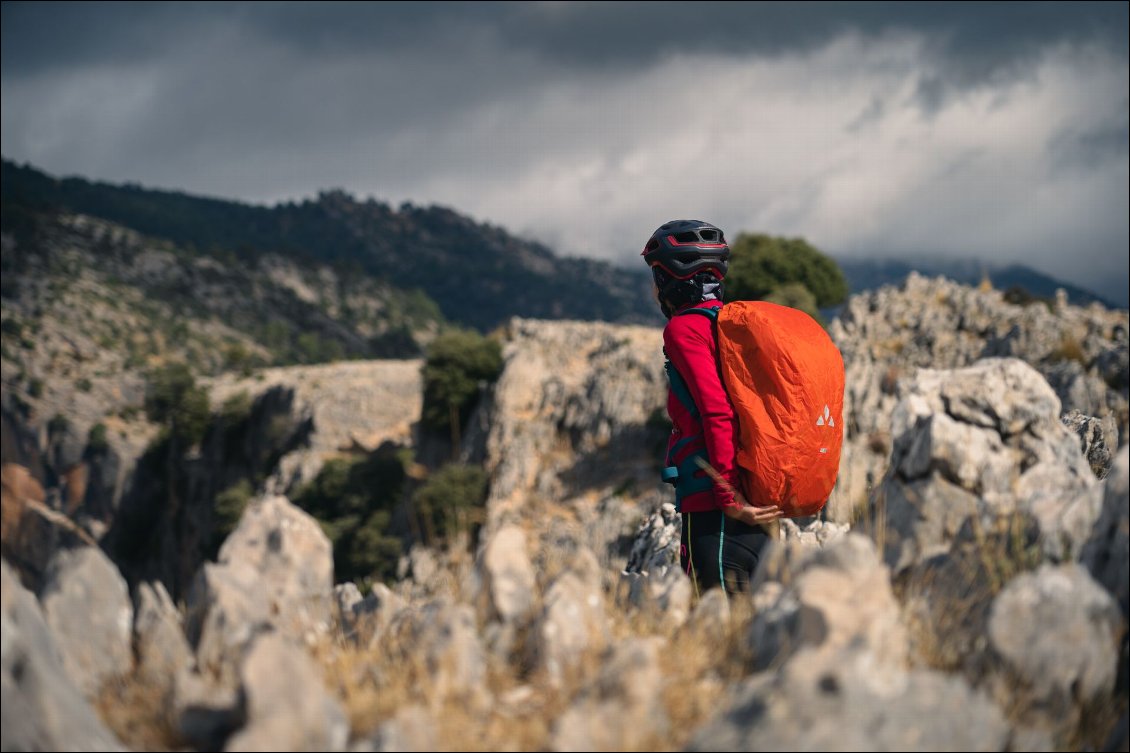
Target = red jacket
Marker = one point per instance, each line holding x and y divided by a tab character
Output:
691	345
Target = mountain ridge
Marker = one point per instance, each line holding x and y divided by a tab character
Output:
479	274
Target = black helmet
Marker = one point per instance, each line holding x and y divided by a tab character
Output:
685	247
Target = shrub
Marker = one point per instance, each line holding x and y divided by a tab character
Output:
228	508
236	408
451	501
459	365
173	399
97	439
797	296
352	499
760	264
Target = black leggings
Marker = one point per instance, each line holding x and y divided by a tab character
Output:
716	549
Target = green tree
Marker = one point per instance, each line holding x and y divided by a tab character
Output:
760	264
457	366
228	508
452	500
352	499
173	398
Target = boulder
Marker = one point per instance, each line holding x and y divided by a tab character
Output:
622	709
507	575
1056	634
572	624
43	709
158	637
851	700
296	714
87	605
984	442
832	597
275	572
1107	552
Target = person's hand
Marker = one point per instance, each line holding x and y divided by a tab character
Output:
751	514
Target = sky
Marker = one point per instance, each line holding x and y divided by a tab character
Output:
996	131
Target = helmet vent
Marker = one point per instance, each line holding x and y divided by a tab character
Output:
686	237
652	244
708	235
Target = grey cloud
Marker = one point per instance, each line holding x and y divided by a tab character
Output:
976	39
541	116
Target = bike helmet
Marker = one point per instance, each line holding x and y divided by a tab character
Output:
683	248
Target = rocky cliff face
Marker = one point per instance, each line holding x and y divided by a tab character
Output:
887	335
978	602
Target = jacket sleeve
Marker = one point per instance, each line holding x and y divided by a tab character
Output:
691	346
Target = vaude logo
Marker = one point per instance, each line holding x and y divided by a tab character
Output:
826	418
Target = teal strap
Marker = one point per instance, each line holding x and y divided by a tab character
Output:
711	312
684	476
680	389
721	544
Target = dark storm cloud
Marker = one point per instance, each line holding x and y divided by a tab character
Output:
978	39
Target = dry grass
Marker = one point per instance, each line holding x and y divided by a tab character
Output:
521	703
1069	349
138	713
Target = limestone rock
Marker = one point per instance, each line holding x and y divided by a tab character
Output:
887	335
42	708
984	441
275	572
1107	552
444	635
833	597
159	641
849	700
87	605
507	575
288	707
622	710
1057	632
1098	439
571	624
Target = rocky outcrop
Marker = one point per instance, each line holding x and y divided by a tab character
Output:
981	443
848	701
1053	635
622	709
42	709
444	636
274	573
833	597
887	335
159	642
572	624
88	608
1097	439
295	714
1107	551
566	630
569	416
349	407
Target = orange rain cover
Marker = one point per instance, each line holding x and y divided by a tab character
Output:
785	378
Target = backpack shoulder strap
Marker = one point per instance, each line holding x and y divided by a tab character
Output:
711	312
674	378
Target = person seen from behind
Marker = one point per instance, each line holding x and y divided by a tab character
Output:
722	537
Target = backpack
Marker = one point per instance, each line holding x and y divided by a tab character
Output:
785	379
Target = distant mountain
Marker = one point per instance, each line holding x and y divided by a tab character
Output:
868	274
478	274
